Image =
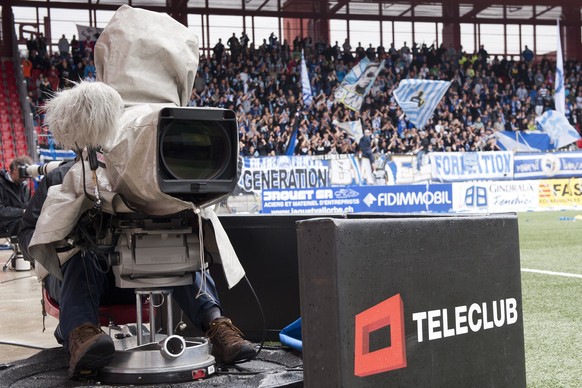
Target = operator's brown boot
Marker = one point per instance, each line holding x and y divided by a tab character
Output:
90	349
228	345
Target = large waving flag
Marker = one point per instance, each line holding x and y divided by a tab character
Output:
558	128
305	84
353	129
523	141
559	93
419	98
357	83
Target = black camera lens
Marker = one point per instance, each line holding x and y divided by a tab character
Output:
199	150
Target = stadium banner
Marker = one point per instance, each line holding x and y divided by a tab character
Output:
403	169
283	172
436	198
496	196
302	172
560	193
547	165
463	166
351	170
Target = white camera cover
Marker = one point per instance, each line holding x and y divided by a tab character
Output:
151	61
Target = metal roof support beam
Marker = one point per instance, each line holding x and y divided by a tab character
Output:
406	11
340	4
572	24
321	23
262	5
451	30
475	11
178	9
538	14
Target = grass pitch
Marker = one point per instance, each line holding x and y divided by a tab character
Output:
552	304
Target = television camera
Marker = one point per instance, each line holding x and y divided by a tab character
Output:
195	154
197	161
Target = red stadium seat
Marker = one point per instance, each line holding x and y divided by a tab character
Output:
21	148
119	314
7	143
17	124
8	154
21	142
17	121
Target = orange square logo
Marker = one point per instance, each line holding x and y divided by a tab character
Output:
387	313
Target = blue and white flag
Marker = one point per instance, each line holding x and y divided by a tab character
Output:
305	84
419	98
559	93
523	141
357	83
558	128
353	129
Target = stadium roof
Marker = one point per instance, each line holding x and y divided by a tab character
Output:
469	10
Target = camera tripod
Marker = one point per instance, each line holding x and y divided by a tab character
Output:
18	261
162	358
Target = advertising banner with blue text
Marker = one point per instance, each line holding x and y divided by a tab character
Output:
359	199
283	172
495	197
464	166
307	172
547	165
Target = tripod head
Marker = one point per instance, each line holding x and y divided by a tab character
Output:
144	251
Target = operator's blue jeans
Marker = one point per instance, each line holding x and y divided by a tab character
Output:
85	286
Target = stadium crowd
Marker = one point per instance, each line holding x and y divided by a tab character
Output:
262	85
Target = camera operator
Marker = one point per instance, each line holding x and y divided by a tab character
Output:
134	85
14	196
85	286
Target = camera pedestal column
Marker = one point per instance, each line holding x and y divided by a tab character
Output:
166	358
166	295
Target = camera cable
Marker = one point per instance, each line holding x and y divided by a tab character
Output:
264	335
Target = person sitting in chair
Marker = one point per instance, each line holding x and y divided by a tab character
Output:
134	76
85	286
14	196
